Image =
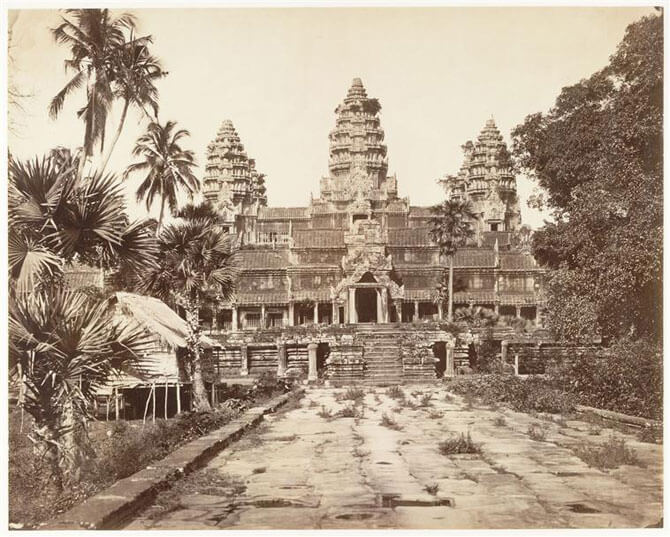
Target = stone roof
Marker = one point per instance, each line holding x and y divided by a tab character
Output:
474	258
489	238
318	238
417	236
263	259
518	260
278	213
269	297
420	212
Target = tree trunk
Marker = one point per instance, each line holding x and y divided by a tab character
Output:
160	216
75	444
450	312
88	129
116	136
200	402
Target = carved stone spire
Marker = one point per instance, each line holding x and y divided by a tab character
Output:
357	153
231	178
487	179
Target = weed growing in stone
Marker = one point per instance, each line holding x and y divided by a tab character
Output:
432	489
611	454
389	423
353	394
457	445
536	432
312	403
434	415
378	400
426	400
449	398
595	430
325	413
397	409
349	412
651	435
359	453
395	392
499	421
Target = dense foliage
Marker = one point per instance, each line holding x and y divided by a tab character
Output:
598	156
627	378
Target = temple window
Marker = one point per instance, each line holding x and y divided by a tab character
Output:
252	320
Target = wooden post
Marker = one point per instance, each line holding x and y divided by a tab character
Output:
166	396
178	399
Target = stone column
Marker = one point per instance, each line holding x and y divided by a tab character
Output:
385	305
397	303
518	312
496	308
516	363
440	311
538	318
353	317
244	360
316	313
214	323
504	344
291	313
284	317
416	310
335	313
281	360
263	324
234	319
380	318
449	369
312	374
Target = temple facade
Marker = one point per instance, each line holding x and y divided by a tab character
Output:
358	262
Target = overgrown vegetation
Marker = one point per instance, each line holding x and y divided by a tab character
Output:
389	422
532	394
611	454
459	444
536	432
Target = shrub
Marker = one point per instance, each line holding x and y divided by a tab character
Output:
612	454
499	421
531	394
395	392
626	378
349	412
536	433
435	415
457	445
426	400
389	422
354	394
651	435
325	413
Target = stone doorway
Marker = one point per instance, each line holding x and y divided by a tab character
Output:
366	305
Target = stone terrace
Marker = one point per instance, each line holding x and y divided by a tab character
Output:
301	470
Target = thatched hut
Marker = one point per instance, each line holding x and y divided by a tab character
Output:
157	384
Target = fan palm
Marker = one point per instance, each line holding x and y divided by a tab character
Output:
53	218
196	266
64	344
94	37
450	229
170	168
136	71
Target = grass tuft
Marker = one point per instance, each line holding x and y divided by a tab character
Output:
611	454
457	445
389	423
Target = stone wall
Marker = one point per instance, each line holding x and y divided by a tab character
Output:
345	365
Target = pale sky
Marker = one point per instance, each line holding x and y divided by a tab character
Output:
278	74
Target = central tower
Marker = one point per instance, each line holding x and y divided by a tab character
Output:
357	161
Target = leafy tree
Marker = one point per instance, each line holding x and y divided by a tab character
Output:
598	155
63	345
136	71
94	38
169	167
61	342
451	228
196	266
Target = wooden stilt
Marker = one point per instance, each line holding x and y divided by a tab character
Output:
166	396
178	399
146	407
153	402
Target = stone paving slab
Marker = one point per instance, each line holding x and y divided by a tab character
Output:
355	473
112	507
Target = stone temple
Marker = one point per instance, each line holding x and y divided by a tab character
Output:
345	288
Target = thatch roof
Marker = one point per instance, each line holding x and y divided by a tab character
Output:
156	317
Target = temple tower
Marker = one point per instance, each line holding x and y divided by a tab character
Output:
487	180
231	183
357	155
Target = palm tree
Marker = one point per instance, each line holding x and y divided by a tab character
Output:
196	266
450	229
63	345
94	38
170	167
53	218
136	71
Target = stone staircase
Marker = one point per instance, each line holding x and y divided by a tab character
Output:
381	352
